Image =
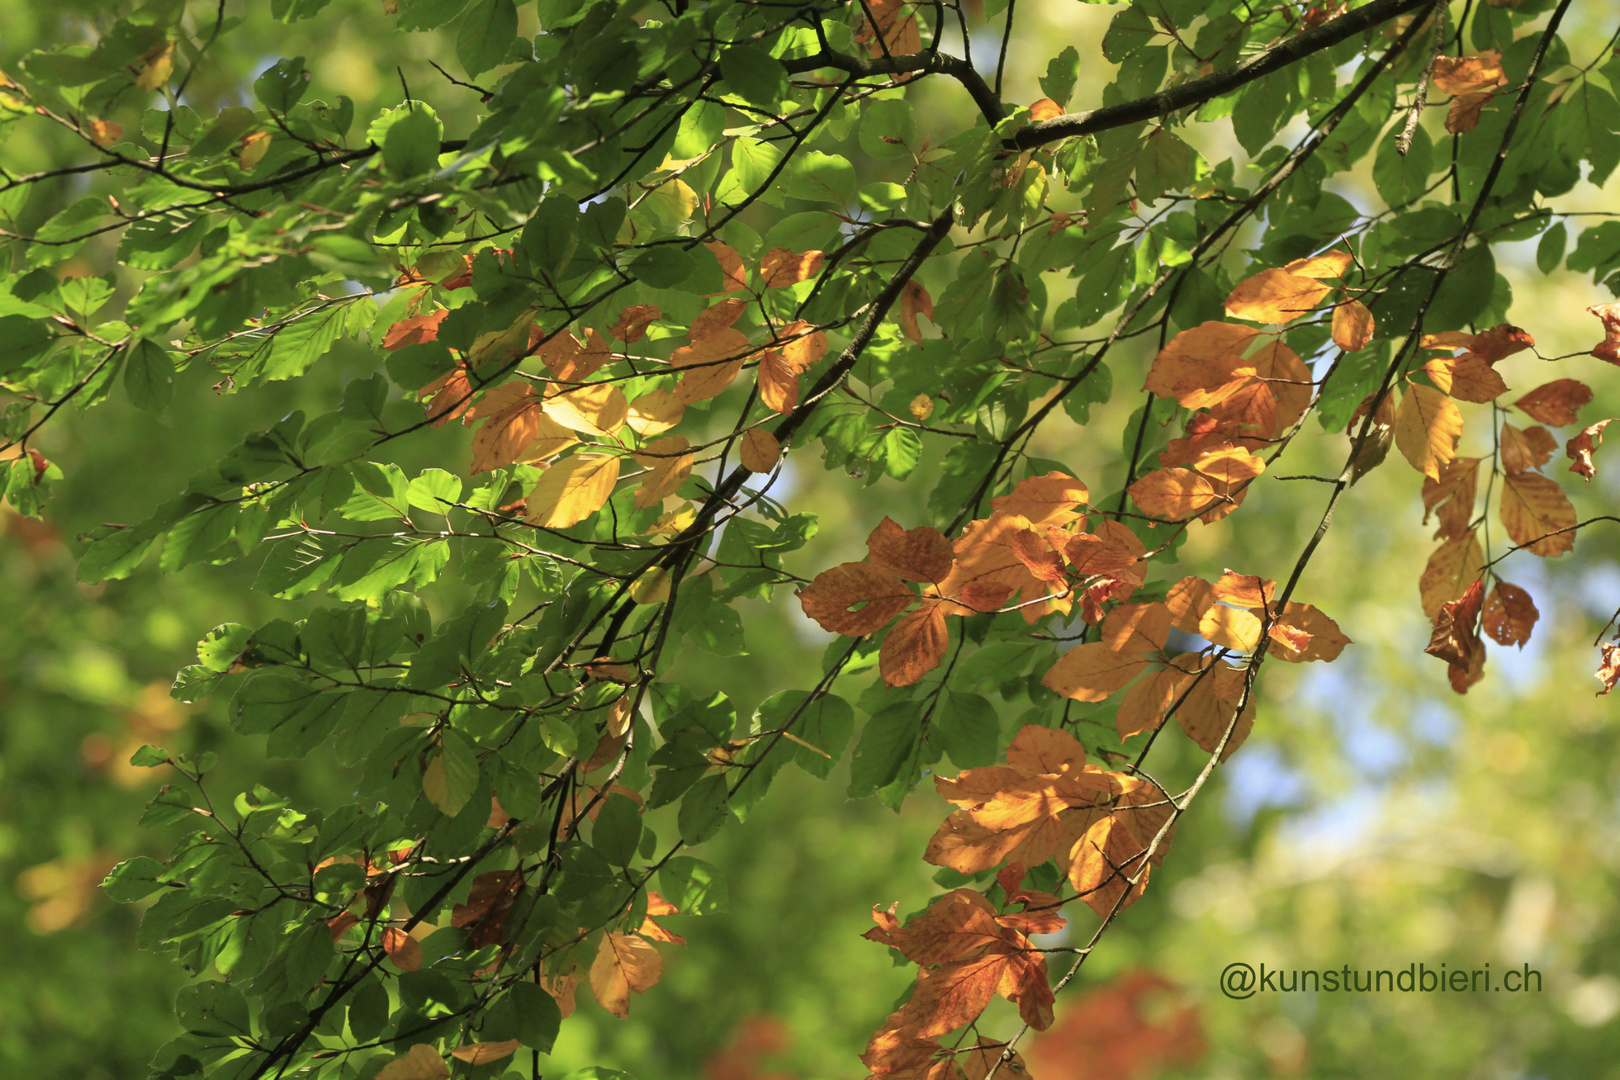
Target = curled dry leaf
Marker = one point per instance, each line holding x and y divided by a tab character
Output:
1556	403
1456	638
914	301
1608	672
1509	615
1581	448
1609	348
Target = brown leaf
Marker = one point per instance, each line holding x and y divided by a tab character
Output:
633	322
1581	448
624	963
1556	403
1204	343
1537	514
1467	378
1133	1027
516	429
835	598
1276	296
802	346
414	331
1509	615
1352	325
1045	109
1427	427
716	318
1608	672
1609	348
915	646
914	301
1526	450
759	451
1469	74
106	132
1323	640
1145	705
1456	636
778	382
1462	115
922	554
711	365
887	31
1500	342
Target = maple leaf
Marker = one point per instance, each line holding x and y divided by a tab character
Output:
1556	403
1537	514
1451	493
1451	569
572	490
1581	448
1427	427
1509	615
1352	326
1276	296
624	963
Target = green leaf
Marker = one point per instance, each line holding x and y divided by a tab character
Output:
148	375
410	140
1402	179
451	775
133	880
1061	72
149	757
693	886
434	491
703	809
617	830
1129	30
1550	251
282	84
486	33
820	177
214	1009
967	728
536	1017
755	74
888	741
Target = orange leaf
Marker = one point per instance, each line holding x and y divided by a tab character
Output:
1500	342
1328	264
1454	566
633	322
1045	109
1276	296
624	963
833	598
887	31
1581	448
421	1063
914	301
404	950
731	266
1244	590
711	364
414	331
1556	403
106	132
1352	325
1462	115
485	1052
716	318
915	646
1134	629
1174	494
1537	514
515	429
1145	705
1324	640
1092	671
778	382
1044	500
1452	492
759	451
670	460
1509	615
1467	378
1427	427
572	490
1210	706
1469	74
781	267
1205	342
802	345
1456	635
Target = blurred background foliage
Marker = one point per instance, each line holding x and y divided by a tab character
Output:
1374	818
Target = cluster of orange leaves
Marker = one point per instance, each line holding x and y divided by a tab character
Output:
1044	803
1473	81
532	419
1128	1028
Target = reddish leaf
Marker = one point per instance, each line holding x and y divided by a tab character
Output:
1581	448
1555	403
1509	615
414	331
1537	514
855	598
781	267
915	646
1608	672
921	554
633	322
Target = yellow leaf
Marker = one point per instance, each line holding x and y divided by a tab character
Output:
654	413
1535	511
157	64
599	409
1328	264
480	1053
1455	565
422	1063
624	963
253	149
670	460
651	588
1352	325
760	450
573	490
1276	296
1427	427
